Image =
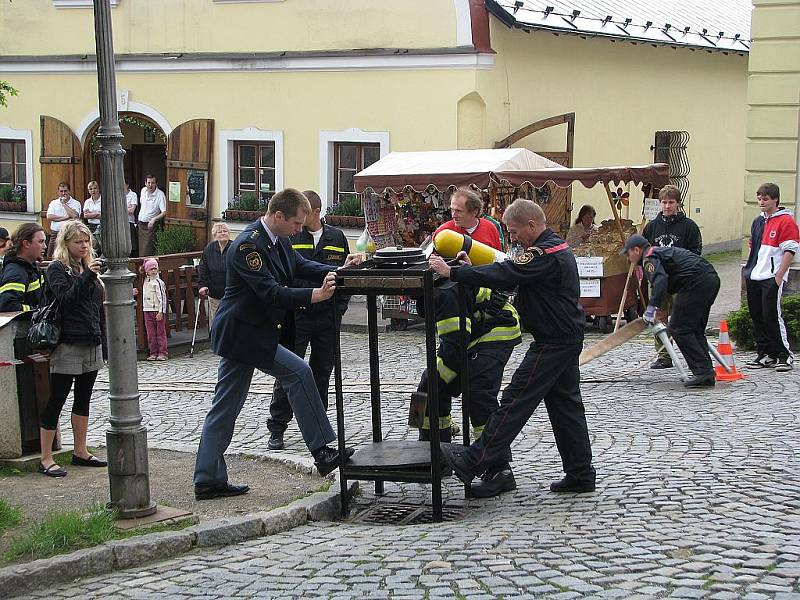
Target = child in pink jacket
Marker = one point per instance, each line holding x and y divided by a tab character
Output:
154	306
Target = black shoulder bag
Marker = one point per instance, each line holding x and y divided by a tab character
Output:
45	330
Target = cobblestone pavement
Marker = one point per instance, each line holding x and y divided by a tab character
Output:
698	496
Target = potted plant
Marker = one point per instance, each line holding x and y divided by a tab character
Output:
248	206
13	199
348	213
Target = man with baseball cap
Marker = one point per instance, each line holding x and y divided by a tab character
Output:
695	283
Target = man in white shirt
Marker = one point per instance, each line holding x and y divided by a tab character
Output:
153	209
132	201
63	208
91	206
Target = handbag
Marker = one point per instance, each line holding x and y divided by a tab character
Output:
45	329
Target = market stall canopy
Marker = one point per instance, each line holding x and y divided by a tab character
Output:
454	168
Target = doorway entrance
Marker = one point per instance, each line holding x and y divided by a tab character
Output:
145	147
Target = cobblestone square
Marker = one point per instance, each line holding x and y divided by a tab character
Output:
698	494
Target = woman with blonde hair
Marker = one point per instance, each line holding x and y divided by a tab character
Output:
211	271
71	280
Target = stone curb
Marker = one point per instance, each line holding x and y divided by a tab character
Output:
142	549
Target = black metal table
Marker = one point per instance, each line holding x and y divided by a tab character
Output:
389	460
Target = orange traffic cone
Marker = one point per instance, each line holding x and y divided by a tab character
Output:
726	351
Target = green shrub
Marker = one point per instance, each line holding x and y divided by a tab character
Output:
740	324
248	201
175	239
5	193
9	515
350	207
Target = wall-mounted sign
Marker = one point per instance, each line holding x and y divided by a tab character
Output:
174	191
196	184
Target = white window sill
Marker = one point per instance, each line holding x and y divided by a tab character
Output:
28	217
79	3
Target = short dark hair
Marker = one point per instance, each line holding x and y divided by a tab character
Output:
64	184
24	233
670	191
289	201
770	189
472	200
150	176
313	199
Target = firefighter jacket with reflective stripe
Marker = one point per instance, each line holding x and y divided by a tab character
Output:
491	320
332	249
20	285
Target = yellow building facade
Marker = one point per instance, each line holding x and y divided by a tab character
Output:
254	96
773	95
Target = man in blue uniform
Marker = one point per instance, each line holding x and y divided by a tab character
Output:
314	325
247	327
493	331
695	284
547	301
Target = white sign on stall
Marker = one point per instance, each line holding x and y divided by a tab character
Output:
651	208
590	288
589	266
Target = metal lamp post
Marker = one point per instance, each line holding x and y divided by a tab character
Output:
126	437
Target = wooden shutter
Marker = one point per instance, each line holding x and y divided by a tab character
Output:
189	150
61	160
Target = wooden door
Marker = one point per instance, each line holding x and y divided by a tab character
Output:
188	185
61	159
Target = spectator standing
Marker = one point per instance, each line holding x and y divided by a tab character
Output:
211	270
63	208
132	201
154	306
583	228
91	207
152	211
72	281
773	244
466	207
21	282
671	228
4	245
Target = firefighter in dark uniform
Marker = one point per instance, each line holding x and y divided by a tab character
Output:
314	325
547	301
492	332
672	270
21	282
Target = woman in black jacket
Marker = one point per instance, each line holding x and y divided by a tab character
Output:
72	281
211	271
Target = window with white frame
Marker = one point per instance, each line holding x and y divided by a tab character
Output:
254	169
12	163
350	158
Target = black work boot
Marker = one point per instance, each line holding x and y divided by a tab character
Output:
494	482
275	441
697	381
571	485
662	362
453	456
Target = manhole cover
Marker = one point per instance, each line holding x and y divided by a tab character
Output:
385	513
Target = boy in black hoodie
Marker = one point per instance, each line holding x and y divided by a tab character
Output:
671	228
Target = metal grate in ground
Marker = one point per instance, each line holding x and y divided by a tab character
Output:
389	513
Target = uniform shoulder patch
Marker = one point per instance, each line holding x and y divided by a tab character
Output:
246	246
649	267
529	254
254	261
